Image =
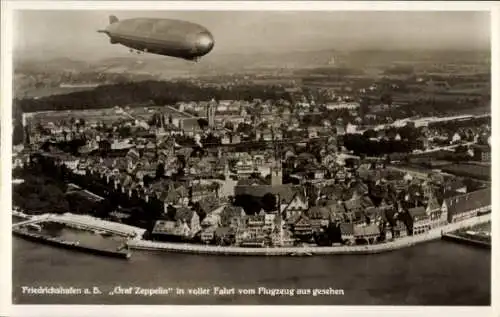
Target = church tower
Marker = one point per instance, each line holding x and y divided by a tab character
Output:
211	107
276	173
276	167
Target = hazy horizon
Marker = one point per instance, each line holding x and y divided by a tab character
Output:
54	34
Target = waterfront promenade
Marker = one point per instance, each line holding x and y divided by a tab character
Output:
136	242
433	234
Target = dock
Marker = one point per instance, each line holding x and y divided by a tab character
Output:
432	235
80	222
454	237
70	245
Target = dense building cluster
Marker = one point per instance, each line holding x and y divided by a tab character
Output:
258	173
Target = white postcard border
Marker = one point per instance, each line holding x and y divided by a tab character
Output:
6	309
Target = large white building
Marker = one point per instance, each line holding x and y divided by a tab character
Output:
342	105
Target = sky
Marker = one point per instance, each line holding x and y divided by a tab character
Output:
73	33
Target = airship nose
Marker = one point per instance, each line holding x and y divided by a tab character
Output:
204	42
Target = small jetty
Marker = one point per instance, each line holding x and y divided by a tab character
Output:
468	239
114	235
121	252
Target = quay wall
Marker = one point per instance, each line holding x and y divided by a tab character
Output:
464	240
71	245
433	234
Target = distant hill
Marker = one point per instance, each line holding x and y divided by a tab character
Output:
160	65
228	63
55	65
135	67
137	93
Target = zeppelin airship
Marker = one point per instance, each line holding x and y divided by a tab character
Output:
168	37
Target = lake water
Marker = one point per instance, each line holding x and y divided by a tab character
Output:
436	273
86	238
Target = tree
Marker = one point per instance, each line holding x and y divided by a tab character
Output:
18	134
408	132
141	92
197	208
229	125
39	194
103	208
370	133
124	132
171	212
147	180
364	106
79	204
222	238
461	149
269	202
244	128
255	175
202	123
386	98
322	238
250	204
215	186
160	171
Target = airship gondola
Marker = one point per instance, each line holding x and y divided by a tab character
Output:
168	37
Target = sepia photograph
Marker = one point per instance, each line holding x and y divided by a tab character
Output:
283	157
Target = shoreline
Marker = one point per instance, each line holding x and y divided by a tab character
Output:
137	243
467	241
434	234
73	246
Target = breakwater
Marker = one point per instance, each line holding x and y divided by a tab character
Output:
399	243
464	240
87	222
70	245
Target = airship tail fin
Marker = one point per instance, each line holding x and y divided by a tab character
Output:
113	19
